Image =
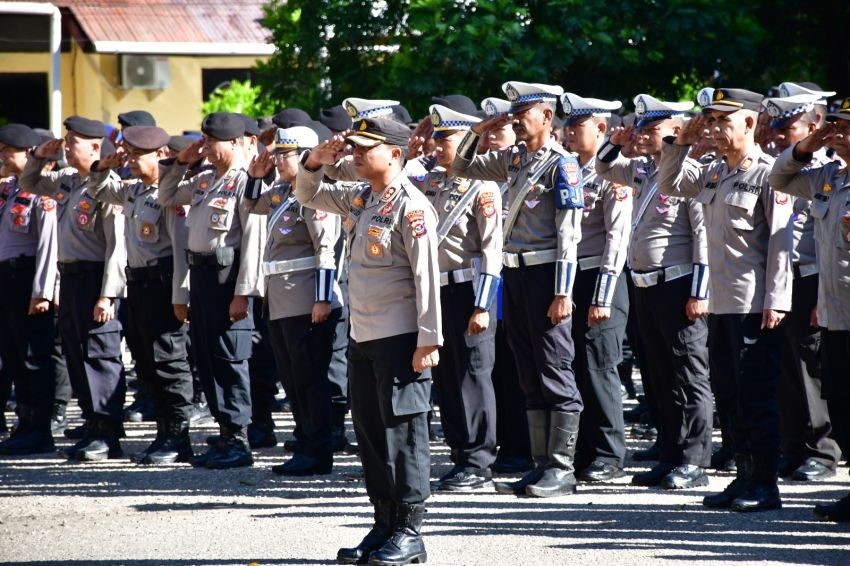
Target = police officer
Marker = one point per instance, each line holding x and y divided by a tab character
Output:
669	269
541	232
28	249
827	186
157	285
749	243
302	295
395	327
808	453
469	239
601	297
224	276
92	257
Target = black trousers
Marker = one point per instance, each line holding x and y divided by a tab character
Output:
389	409
221	347
463	380
262	369
60	369
745	362
676	352
836	383
26	345
598	353
162	346
543	353
303	351
92	349
511	420
636	349
804	424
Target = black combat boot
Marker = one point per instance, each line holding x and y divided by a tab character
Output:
176	446
103	444
31	436
405	545
537	428
743	478
261	432
839	511
161	425
80	432
763	493
306	465
374	539
59	419
559	477
233	452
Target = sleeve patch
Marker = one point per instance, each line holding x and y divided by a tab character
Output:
487	203
416	219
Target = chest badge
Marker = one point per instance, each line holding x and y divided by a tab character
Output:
375	249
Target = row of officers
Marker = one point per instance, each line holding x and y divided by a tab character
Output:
736	265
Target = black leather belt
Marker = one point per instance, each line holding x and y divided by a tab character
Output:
14	264
74	267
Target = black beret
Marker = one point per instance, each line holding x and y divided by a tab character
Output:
19	136
457	102
177	143
291	117
106	148
251	127
335	118
370	132
148	138
85	128
136	118
733	99
223	126
321	130
401	114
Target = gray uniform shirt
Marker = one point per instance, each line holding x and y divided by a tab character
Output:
219	217
393	284
666	230
803	252
153	231
88	230
606	220
28	228
749	228
828	188
294	233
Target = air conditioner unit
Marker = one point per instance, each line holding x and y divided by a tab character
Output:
144	71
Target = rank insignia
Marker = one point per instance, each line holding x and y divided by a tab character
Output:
358	202
147	230
715	177
663	198
746	164
374	231
416	219
387	209
781	198
375	249
827	188
276	199
85	205
516	161
60	196
388	194
284	231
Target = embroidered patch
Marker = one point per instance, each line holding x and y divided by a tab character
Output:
416	219
846	218
388	194
59	196
47	204
827	188
18	220
662	209
320	215
571	170
781	198
83	220
85	205
204	185
358	202
387	209
621	192
746	164
217	218
375	249
276	199
219	203
531	203
147	230
181	211
230	184
374	231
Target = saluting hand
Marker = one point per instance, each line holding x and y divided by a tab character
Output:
560	309
113	161
622	136
266	137
425	357
492	123
692	131
816	139
326	153
261	165
190	154
48	149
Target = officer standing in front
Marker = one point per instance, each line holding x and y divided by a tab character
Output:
469	239
828	187
92	257
541	234
395	327
749	247
157	285
223	253
668	260
28	249
601	296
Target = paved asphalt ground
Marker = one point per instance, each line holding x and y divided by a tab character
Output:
58	513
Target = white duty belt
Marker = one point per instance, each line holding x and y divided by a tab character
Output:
590	262
661	275
457	276
288	266
529	258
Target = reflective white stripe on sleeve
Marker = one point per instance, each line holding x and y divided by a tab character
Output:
467	146
603	294
699	283
325	285
564	277
488	288
608	152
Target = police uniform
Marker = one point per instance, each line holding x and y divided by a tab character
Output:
395	307
605	229
157	279
300	270
223	252
28	249
92	257
469	238
808	452
668	259
541	233
827	186
749	237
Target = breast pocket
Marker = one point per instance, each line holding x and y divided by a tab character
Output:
378	246
705	196
284	227
220	213
85	215
817	208
741	206
148	224
21	217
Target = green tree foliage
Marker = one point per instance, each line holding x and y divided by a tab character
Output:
410	50
238	96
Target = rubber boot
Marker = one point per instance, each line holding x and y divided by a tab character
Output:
559	477
763	493
374	539
537	429
743	477
405	545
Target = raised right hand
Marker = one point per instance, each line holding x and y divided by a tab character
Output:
622	136
48	149
816	139
261	165
692	131
326	153
190	154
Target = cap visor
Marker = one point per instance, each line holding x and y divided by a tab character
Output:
280	148
363	141
834	116
443	133
723	107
